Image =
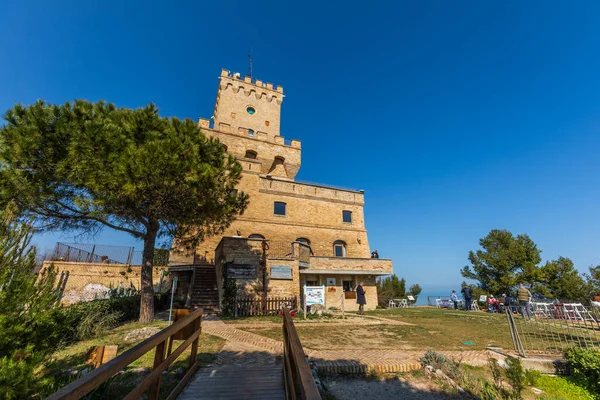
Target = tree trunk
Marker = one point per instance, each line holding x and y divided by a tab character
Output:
147	287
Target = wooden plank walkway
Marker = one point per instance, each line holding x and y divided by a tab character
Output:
240	372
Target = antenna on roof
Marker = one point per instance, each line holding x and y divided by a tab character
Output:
250	69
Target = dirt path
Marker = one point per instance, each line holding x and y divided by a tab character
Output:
384	389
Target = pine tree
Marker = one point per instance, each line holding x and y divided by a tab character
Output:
29	308
86	166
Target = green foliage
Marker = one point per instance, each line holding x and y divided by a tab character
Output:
585	369
560	388
503	262
87	166
532	377
441	362
96	323
593	280
229	294
515	375
122	291
17	376
415	290
560	280
390	287
30	326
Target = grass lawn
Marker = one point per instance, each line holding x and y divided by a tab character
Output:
72	358
432	329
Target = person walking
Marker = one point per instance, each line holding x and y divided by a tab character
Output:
466	292
360	298
454	299
524	296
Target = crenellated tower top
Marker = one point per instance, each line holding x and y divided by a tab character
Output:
248	104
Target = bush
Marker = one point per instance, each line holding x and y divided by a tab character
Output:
440	361
17	376
585	369
556	387
128	307
96	323
515	375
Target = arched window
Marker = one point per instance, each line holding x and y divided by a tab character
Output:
251	154
339	248
256	236
303	240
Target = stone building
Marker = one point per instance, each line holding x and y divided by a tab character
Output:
315	234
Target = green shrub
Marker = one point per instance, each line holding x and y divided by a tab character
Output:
585	369
440	361
532	377
515	375
559	388
96	323
17	376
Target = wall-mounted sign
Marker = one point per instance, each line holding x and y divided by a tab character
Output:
330	281
241	271
314	295
281	272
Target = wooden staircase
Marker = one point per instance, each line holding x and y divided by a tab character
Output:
205	292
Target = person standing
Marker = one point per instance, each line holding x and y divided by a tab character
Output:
360	298
524	296
454	299
466	292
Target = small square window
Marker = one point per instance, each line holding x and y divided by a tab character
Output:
347	216
279	208
348	286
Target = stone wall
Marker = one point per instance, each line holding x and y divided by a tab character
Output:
312	212
86	280
358	264
249	251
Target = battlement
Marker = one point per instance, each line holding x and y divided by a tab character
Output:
276	185
256	82
205	124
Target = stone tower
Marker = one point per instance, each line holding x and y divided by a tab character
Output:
247	118
247	104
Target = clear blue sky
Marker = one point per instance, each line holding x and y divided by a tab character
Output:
455	117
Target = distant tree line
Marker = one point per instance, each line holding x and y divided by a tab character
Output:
505	260
390	287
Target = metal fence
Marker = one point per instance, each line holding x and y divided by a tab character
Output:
104	254
552	328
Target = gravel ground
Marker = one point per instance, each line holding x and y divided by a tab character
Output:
344	388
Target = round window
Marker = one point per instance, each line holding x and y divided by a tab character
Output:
250	110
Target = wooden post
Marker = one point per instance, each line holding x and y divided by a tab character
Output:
265	247
159	357
197	327
99	355
305	304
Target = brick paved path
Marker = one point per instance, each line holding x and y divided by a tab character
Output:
248	366
340	361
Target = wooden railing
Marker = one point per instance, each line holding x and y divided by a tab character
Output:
297	376
249	306
187	329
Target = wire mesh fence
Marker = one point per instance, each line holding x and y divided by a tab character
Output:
553	328
104	254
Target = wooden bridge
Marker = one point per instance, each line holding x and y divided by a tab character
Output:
236	378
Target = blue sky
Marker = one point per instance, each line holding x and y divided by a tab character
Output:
455	117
